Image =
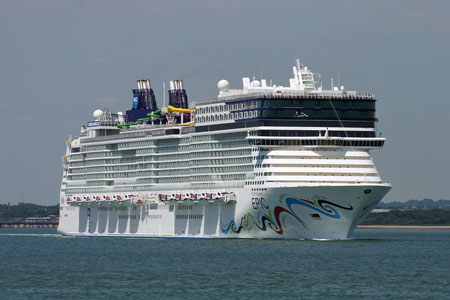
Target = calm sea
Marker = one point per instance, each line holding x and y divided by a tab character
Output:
374	264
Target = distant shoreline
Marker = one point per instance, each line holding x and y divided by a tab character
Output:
403	227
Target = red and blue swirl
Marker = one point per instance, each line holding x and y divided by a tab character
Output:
322	206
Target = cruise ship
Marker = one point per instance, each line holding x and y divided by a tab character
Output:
263	161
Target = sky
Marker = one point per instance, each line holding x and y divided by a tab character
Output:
61	60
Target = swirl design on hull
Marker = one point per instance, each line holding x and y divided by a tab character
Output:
320	205
273	221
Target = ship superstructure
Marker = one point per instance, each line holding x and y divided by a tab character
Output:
264	161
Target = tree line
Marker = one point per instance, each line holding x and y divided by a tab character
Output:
22	211
434	216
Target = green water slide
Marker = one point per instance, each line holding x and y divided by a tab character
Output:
154	114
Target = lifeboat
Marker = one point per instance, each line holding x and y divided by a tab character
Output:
68	200
139	201
178	197
201	195
186	196
172	197
208	196
97	198
163	197
78	199
108	198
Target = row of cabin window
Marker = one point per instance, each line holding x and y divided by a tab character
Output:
205	179
225	117
121	160
126	217
254	183
178	160
168	172
185	207
181	162
189	217
227	107
184	156
181	157
136	144
318	143
218	145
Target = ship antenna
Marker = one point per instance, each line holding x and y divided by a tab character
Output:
339	119
338	78
164	93
262	68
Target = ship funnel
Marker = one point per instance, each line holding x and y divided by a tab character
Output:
177	94
143	96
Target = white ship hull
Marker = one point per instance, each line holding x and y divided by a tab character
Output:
309	212
265	161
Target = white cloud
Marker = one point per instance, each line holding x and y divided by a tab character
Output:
103	61
433	19
107	101
23	118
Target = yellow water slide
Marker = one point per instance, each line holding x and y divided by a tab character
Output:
184	110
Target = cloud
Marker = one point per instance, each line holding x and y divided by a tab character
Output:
107	101
103	61
9	104
23	118
435	20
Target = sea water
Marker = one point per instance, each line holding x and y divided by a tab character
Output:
372	264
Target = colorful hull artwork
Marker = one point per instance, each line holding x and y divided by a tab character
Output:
273	220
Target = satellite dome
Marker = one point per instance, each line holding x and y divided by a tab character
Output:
256	83
97	114
223	85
